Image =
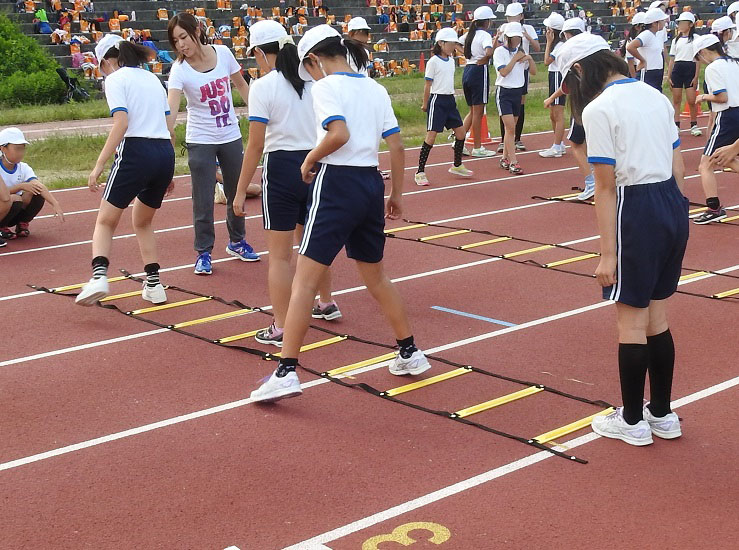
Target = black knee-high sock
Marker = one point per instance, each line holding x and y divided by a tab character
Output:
661	366
423	156
519	122
502	129
152	274
100	267
458	146
633	361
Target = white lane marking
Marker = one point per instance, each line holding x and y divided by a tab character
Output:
85	187
91	210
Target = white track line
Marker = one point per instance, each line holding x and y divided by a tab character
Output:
228	406
91	210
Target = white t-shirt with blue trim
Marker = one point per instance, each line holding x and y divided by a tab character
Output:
651	49
440	71
514	79
723	76
480	44
631	127
554	65
140	94
290	120
365	107
22	173
682	49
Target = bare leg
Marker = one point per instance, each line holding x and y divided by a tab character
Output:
708	178
387	297
677	102
142	217
280	272
692	107
632	324
509	142
324	287
557	114
580	154
105	225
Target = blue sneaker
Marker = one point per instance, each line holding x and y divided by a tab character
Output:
202	265
589	190
242	251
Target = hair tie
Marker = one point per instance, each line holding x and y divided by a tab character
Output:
342	43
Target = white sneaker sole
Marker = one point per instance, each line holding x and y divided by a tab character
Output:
282	393
673	434
551	156
240	257
624	438
203	272
482	156
718	218
154	299
460	175
332	317
413	372
269	342
91	299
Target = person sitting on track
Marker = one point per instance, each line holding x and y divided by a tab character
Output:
643	221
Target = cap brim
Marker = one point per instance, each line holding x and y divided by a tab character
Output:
303	73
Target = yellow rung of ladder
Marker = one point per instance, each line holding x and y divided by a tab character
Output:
693	275
528	251
572	260
406	227
427	382
444	235
726	294
482	243
235	337
567	196
698	210
218	317
319	344
569	428
499	401
80	285
730	219
170	306
360	364
120	296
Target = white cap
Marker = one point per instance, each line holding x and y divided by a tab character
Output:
573	24
308	41
704	41
577	48
554	21
722	24
653	15
446	35
513	9
657	4
12	135
483	12
638	18
266	32
106	42
733	8
513	29
357	24
686	16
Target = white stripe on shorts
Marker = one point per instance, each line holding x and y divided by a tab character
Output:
432	104
114	169
317	185
714	134
616	290
265	181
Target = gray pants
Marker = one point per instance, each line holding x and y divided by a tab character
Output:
202	162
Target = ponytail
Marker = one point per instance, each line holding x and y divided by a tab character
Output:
436	50
342	47
469	39
287	63
129	54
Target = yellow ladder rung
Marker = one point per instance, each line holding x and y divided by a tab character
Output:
120	296
731	219
170	306
406	227
427	382
80	285
569	428
365	363
319	344
572	260
443	235
482	243
697	210
235	337
218	317
567	196
499	401
693	275
528	251
726	294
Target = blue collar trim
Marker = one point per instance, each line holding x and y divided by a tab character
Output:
6	170
443	58
355	75
622	81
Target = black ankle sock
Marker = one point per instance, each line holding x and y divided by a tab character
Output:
407	347
502	129
693	123
458	146
287	364
661	366
423	156
633	361
713	203
519	122
677	123
100	267
152	274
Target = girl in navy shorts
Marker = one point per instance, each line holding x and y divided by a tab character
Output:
346	205
140	138
683	70
554	24
643	221
282	126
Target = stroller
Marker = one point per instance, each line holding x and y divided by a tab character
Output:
74	90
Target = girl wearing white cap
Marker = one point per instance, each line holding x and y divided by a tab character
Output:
204	73
637	26
143	166
346	206
722	81
732	44
282	127
683	70
647	49
643	221
554	24
440	106
359	30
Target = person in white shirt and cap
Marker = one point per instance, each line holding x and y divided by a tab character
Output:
359	30
647	49
643	223
637	26
732	45
683	70
553	25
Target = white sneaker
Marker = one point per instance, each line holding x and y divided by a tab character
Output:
421	179
666	427
155	295
461	170
615	427
274	388
481	153
219	196
93	291
552	152
501	147
465	151
589	190
695	131
415	364
562	149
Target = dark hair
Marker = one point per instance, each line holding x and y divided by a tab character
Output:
129	54
436	50
691	32
573	32
287	63
477	24
557	38
718	47
335	46
596	69
188	23
632	34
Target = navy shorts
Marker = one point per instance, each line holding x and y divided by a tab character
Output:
346	207
653	77
284	193
725	130
577	133
442	113
476	84
508	100
143	169
651	236
683	73
525	82
555	82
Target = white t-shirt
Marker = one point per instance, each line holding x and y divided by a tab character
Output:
501	58
662	35
723	76
732	46
480	43
21	174
140	94
628	55
440	72
365	107
354	67
630	126
682	49
211	117
531	31
554	65
290	120
651	49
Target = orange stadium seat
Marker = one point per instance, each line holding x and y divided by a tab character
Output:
162	14
114	25
200	12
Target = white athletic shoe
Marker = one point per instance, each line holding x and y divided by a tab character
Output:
93	291
155	295
461	170
415	364
552	152
421	179
219	196
615	427
274	388
666	427
482	153
695	131
465	151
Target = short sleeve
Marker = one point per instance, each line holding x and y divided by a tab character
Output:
259	102
673	48
390	123
715	79
28	173
430	69
601	146
646	39
532	32
487	40
326	104
115	94
500	59
231	63
175	77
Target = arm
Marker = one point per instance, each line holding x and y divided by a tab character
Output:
532	64
605	212
48	197
488	54
548	59
694	82
394	205
241	85
173	99
678	168
504	71
633	49
722	97
337	135
120	125
548	101
669	69
533	43
426	94
725	156
254	149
